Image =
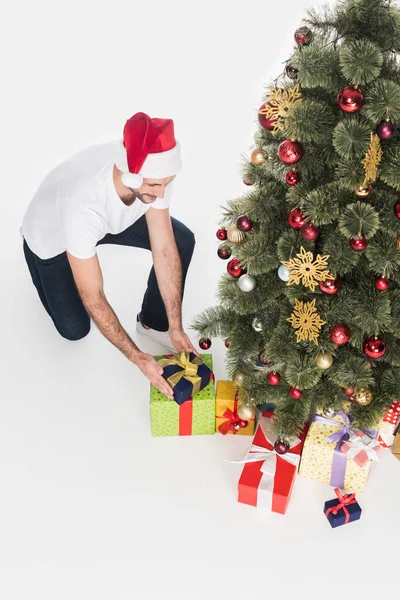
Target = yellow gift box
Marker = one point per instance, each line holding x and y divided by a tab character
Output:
319	460
227	419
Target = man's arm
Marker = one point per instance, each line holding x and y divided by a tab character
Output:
167	263
89	281
168	269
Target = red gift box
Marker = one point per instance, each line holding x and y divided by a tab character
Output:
389	425
269	480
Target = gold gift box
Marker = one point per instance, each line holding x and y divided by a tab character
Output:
317	458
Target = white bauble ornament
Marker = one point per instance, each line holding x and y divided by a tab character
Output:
283	273
247	283
257	325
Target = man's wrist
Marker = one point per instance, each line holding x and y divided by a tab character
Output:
175	326
135	356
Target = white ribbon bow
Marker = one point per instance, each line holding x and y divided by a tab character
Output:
357	443
269	457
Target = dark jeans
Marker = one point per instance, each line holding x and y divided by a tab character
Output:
56	287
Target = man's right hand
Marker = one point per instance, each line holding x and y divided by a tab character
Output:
150	367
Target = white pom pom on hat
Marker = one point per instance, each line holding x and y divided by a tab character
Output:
148	150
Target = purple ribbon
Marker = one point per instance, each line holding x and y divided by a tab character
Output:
339	463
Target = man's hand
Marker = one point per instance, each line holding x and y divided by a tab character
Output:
181	340
150	367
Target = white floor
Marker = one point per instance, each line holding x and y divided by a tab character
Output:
91	506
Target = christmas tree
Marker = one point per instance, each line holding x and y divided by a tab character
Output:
310	305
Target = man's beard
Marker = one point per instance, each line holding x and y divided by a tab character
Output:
129	199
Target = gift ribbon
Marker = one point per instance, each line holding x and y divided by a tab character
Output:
344	501
269	457
186	414
233	420
189	369
339	462
186	417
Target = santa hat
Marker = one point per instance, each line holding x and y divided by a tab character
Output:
148	149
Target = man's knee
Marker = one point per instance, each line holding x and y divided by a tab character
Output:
74	331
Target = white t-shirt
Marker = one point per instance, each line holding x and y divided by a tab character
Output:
77	204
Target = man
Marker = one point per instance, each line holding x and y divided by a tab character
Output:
112	193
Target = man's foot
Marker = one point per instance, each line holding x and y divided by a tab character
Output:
160	337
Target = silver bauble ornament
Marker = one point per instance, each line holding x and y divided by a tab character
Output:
283	273
257	325
247	283
329	413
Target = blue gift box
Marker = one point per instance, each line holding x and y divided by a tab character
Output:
183	390
354	511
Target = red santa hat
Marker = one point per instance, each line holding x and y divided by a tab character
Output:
148	149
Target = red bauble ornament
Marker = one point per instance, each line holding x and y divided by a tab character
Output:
374	347
264	121
295	393
234	268
386	130
290	152
340	334
224	253
244	223
273	378
205	343
222	234
396	209
292	177
382	283
247	182
348	391
309	231
303	36
351	99
330	286
243	423
296	219
228	343
280	447
359	243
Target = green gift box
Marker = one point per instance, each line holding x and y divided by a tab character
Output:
196	416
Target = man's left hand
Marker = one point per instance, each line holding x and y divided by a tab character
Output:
181	341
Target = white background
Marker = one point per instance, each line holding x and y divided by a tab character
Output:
90	505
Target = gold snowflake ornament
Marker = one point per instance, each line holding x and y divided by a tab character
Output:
279	104
307	321
304	269
372	159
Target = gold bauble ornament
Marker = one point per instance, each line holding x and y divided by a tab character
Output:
362	191
324	360
257	157
238	379
398	242
235	236
247	410
363	396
